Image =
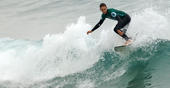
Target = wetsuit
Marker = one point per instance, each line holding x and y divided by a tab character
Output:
122	18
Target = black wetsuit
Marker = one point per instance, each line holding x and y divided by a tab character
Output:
122	18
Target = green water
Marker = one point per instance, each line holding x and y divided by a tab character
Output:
145	67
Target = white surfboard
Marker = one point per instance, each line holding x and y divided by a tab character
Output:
122	48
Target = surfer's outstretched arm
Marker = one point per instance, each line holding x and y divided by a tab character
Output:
96	26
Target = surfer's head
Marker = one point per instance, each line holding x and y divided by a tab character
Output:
103	8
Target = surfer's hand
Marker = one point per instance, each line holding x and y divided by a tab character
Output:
89	32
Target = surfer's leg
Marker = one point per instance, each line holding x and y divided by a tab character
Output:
124	29
121	24
120	32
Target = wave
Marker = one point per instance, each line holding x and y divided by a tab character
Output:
76	60
137	70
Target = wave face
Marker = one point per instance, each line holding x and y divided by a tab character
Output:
73	59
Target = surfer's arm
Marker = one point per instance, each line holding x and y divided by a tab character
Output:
98	24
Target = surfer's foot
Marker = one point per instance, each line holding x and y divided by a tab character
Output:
129	41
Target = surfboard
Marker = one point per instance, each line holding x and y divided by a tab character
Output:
120	48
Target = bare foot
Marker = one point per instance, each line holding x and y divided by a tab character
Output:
128	42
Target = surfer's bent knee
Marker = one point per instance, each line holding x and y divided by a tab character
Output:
121	24
122	34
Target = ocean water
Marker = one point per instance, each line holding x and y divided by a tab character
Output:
43	44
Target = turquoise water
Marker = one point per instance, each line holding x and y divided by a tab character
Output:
44	44
143	67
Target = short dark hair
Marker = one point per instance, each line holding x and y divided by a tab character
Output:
102	4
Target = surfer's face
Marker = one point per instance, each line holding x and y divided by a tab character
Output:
103	9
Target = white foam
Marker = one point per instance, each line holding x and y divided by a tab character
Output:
72	51
148	25
60	55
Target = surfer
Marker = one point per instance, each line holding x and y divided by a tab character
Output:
122	18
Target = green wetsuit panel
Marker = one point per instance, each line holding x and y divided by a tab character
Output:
113	14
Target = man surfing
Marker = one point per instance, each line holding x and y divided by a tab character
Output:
113	14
